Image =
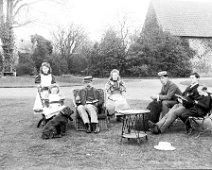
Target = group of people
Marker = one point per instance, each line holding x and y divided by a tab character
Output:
88	99
194	101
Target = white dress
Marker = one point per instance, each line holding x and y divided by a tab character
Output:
46	81
115	100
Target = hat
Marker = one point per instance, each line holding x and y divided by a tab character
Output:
87	79
45	64
166	146
162	73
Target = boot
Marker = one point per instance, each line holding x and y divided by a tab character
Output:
95	128
88	127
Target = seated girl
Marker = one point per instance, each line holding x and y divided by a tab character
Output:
54	103
115	89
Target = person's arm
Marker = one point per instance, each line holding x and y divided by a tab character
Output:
170	94
100	98
203	103
38	79
122	87
53	79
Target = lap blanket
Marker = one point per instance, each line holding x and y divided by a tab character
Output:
155	110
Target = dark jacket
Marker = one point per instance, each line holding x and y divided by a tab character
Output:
203	106
190	94
168	91
83	95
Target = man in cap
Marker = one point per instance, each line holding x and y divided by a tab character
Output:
168	93
88	101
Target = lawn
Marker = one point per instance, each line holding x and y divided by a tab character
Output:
207	82
22	148
64	80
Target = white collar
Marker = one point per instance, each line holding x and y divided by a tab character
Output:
192	85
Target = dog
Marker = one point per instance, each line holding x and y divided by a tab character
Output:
56	127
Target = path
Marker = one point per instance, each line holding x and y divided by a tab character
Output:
140	89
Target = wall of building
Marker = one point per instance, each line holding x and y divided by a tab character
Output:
203	56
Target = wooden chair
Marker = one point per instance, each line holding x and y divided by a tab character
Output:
102	114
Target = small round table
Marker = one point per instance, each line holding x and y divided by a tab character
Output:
129	129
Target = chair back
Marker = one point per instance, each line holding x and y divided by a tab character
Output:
100	91
210	106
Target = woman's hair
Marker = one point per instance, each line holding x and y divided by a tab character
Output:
111	74
46	64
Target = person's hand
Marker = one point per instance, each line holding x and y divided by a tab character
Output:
153	97
39	86
195	101
179	100
96	104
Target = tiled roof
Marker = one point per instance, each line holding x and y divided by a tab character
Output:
184	18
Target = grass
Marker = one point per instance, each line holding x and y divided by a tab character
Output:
22	148
207	82
64	80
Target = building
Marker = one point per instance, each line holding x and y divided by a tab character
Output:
191	20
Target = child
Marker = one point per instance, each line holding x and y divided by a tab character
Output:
55	102
44	80
201	107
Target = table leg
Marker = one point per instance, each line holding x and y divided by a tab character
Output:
144	125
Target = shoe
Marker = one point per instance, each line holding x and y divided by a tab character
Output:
151	124
88	126
156	130
97	130
153	127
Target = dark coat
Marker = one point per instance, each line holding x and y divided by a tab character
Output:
190	94
83	96
168	91
202	107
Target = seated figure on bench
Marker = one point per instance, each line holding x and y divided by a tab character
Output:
200	109
89	100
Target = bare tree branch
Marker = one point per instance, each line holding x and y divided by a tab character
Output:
19	8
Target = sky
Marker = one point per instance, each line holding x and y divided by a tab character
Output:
94	16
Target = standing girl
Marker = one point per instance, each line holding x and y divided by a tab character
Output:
44	80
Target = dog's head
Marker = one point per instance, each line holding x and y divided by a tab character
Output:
67	112
48	134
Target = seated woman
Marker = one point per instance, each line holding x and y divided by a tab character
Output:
115	89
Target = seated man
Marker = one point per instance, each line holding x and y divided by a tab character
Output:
167	94
190	94
200	109
88	100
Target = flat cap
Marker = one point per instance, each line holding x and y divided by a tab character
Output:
88	79
162	73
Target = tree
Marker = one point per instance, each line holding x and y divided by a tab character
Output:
8	20
107	55
42	50
69	41
161	51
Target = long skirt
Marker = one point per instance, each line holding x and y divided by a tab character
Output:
116	102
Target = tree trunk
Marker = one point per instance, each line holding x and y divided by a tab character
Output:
7	38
